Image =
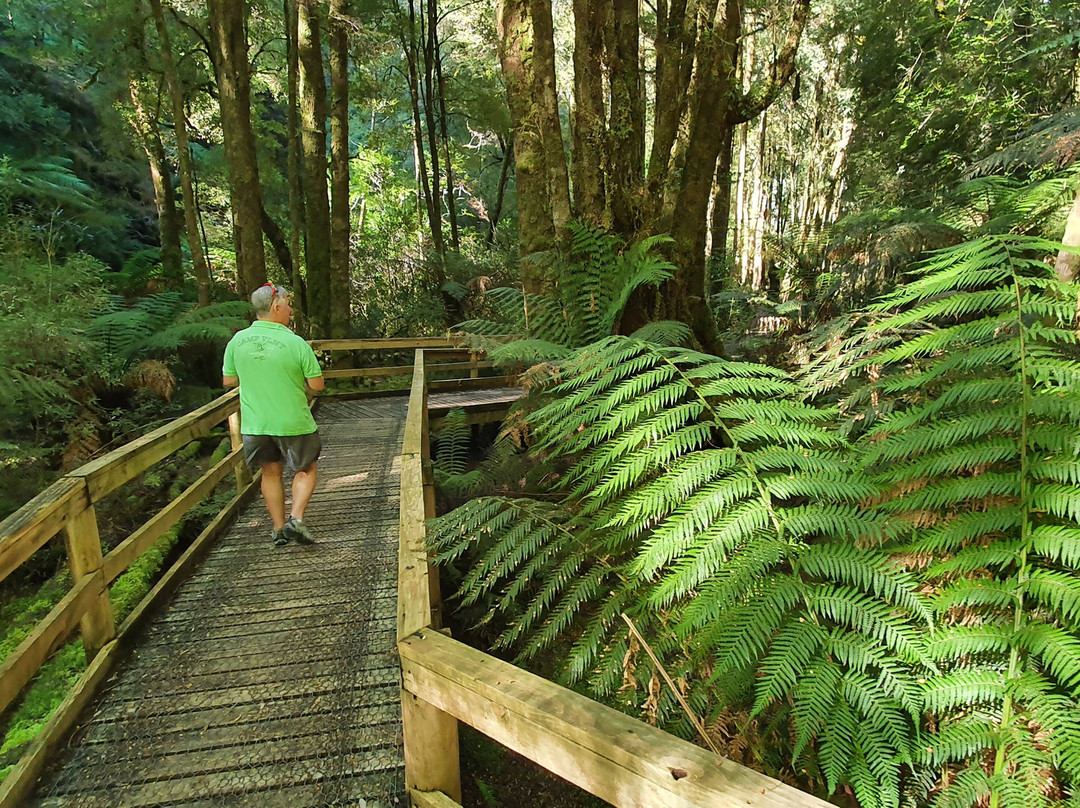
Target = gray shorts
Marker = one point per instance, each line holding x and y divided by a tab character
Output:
297	451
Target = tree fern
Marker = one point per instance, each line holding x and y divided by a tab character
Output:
978	455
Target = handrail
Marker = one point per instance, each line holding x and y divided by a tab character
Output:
605	752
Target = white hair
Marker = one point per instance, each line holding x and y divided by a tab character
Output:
263	298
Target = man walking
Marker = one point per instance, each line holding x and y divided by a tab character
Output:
274	368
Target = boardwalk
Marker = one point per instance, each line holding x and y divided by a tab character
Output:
271	678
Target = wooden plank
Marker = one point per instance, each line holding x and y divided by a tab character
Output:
412	441
609	754
106	474
24	531
431	799
363	373
84	558
23	663
470	384
20	782
190	557
385	344
144	538
430	740
414	605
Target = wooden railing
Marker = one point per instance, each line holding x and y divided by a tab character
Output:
607	753
68	507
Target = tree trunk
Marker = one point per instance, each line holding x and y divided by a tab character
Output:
294	170
536	230
549	120
313	138
165	200
504	173
340	287
229	55
429	37
716	107
412	56
589	137
627	128
280	245
191	213
721	212
444	127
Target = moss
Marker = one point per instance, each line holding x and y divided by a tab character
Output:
57	676
48	689
22	615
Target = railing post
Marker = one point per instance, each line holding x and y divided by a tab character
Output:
84	557
430	735
243	474
474	369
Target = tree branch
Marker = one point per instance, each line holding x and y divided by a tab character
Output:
759	97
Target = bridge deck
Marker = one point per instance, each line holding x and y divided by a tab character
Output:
271	679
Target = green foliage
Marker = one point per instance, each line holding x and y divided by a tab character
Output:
899	612
980	456
161	324
585	300
707	503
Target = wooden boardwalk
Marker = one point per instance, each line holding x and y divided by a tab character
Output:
271	679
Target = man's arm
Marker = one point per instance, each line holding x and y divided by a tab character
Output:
232	381
316	384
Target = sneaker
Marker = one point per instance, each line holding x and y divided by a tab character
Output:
296	530
279	538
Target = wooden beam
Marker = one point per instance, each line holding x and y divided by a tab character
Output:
144	538
23	663
412	441
470	384
83	545
405	343
106	474
19	783
24	531
431	799
609	754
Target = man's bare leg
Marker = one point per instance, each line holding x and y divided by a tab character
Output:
273	491
303	486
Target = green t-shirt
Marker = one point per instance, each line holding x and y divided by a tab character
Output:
272	363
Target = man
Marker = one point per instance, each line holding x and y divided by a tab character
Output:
274	368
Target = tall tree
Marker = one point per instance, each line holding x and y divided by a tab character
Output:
536	230
340	287
229	54
294	156
313	138
183	155
161	176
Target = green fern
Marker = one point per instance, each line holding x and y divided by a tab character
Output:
979	453
585	300
703	499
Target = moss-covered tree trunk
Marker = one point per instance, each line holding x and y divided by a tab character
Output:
536	231
191	212
313	141
547	110
589	142
228	40
627	127
340	287
161	176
